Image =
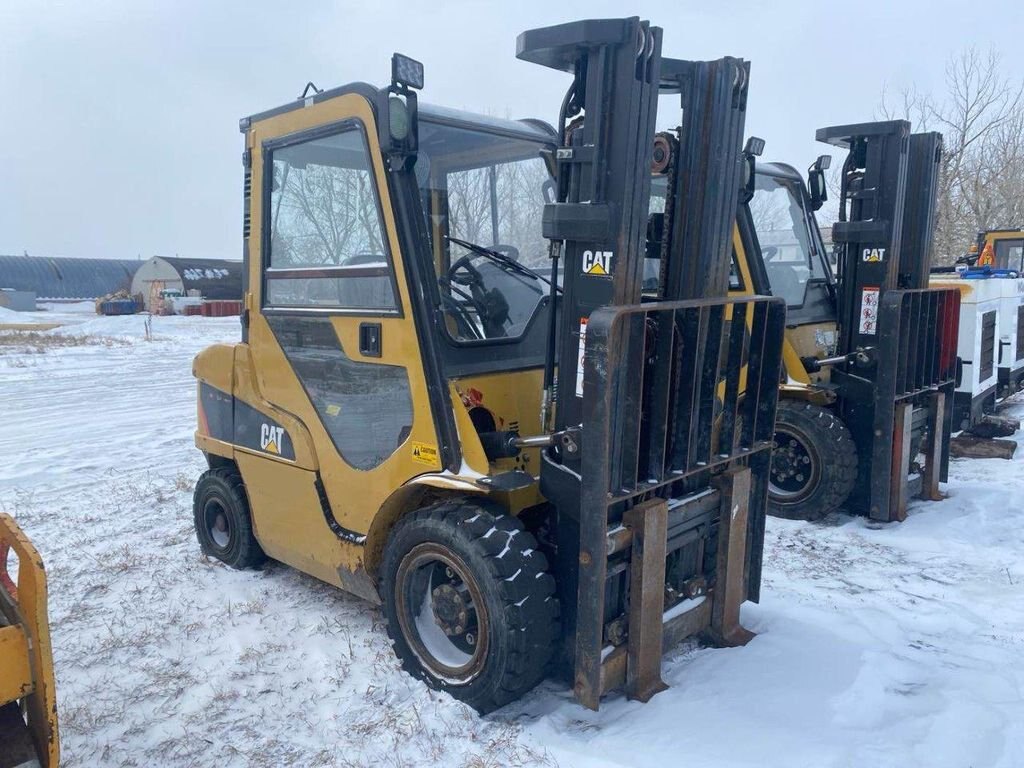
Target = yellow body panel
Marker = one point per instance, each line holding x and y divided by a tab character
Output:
26	659
513	400
15	667
800	341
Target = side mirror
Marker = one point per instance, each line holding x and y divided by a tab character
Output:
816	181
752	150
398	126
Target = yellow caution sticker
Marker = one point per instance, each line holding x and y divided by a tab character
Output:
333	410
424	453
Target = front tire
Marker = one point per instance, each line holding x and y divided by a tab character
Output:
814	463
223	524
470	605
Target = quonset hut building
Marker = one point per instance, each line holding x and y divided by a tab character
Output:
213	279
62	278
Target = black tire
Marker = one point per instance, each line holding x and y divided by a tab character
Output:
223	524
16	748
499	635
814	464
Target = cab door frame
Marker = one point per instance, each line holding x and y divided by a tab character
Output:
404	340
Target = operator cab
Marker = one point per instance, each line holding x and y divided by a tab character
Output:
793	255
482	184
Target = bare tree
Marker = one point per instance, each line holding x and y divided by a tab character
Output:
324	214
981	117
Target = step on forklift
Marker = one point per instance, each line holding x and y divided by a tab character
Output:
448	398
28	704
865	410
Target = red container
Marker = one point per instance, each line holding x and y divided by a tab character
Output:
221	308
193	309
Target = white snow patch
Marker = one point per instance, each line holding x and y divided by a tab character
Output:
898	646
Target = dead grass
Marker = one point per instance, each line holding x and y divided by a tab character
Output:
38	343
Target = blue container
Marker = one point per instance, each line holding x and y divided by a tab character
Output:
119	307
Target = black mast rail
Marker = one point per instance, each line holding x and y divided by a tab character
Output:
665	410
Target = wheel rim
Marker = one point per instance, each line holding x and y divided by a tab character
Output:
442	613
218	524
796	467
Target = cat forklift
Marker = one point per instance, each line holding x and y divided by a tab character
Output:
28	705
870	354
449	399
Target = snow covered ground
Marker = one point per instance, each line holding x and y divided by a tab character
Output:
894	646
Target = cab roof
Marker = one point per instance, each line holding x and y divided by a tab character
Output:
529	128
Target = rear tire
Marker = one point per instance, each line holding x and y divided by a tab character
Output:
16	747
814	464
469	601
223	524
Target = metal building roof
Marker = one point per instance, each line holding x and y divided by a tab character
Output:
216	279
62	277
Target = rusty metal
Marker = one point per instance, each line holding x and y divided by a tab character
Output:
619	539
902	442
674	630
724	350
730	584
933	449
915	361
649	523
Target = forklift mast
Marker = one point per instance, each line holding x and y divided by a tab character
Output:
925	158
897	337
869	232
664	411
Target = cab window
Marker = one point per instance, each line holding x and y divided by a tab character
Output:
325	246
483	194
792	258
1010	254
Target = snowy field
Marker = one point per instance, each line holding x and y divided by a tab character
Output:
894	646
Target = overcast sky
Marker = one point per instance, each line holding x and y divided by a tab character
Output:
119	132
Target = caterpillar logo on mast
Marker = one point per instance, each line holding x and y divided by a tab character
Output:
271	438
598	263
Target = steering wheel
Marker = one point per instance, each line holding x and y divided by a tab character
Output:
464	321
463	272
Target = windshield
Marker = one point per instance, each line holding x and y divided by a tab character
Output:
487	190
1010	254
791	256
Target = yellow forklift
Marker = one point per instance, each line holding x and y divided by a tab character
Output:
28	703
865	412
448	398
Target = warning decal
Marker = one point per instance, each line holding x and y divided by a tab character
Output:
579	357
424	453
869	311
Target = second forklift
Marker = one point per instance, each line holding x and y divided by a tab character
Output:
870	354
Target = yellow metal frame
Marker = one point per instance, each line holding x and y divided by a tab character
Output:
799	385
26	659
287	510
